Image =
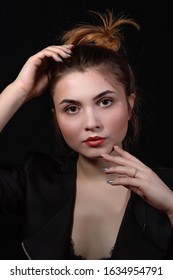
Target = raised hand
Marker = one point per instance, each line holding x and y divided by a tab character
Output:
139	178
34	76
31	82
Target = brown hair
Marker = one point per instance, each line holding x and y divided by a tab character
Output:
107	34
100	47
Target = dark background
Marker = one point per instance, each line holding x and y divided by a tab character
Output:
28	26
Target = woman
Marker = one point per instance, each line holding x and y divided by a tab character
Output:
97	201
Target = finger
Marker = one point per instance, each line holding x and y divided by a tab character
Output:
129	183
68	47
60	49
48	53
58	54
118	160
134	189
126	181
123	170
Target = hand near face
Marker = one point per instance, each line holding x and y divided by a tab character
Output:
134	175
34	76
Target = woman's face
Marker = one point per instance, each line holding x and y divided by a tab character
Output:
92	112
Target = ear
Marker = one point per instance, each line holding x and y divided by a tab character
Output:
131	102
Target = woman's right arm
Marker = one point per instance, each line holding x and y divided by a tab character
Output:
31	82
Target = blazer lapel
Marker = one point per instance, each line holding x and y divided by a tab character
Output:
52	240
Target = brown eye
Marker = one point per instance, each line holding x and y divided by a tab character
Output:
106	102
72	109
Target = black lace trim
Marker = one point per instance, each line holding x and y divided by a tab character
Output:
75	256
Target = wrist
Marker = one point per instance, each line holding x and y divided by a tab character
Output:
18	92
11	99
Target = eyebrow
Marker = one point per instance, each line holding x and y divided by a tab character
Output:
70	101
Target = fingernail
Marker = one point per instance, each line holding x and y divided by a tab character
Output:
60	58
105	169
68	54
68	51
110	182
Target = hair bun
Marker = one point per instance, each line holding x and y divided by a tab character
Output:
107	34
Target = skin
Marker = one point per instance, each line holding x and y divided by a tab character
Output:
145	183
23	89
105	116
87	105
81	113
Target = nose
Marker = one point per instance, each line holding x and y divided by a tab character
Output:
92	120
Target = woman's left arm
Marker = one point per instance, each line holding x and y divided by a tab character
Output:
139	178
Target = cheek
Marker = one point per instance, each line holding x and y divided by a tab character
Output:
69	130
117	124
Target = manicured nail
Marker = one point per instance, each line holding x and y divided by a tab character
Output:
60	58
105	169
68	54
110	182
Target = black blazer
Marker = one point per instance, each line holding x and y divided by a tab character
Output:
42	192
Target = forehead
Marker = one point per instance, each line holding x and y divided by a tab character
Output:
90	82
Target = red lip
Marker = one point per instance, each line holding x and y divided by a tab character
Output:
94	138
94	141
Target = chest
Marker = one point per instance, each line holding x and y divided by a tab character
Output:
96	221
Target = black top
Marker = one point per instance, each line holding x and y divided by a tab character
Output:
42	192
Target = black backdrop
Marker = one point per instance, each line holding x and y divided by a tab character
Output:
28	26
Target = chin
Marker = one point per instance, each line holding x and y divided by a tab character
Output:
98	153
107	150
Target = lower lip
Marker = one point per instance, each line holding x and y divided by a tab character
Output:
95	143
